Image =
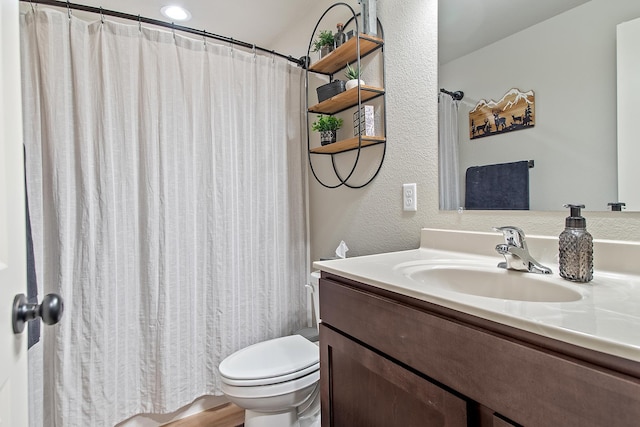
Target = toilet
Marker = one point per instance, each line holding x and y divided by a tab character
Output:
277	381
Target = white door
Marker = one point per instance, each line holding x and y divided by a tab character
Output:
13	348
628	40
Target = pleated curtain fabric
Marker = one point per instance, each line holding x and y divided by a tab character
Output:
167	193
449	169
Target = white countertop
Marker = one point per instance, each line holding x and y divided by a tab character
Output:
606	318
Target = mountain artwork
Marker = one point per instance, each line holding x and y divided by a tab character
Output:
515	111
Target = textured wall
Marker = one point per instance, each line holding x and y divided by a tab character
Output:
371	220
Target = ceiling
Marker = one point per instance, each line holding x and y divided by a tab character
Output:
464	25
467	25
252	21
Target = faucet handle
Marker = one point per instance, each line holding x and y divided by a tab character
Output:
513	236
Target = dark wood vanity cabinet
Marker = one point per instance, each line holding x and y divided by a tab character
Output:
392	360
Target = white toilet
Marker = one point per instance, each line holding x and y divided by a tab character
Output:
276	381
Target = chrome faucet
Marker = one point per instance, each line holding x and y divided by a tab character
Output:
516	254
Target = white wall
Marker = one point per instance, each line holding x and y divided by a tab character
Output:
371	219
570	63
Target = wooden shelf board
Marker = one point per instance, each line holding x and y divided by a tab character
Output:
346	99
346	53
347	145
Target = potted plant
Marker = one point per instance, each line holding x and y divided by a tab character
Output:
324	43
353	77
327	126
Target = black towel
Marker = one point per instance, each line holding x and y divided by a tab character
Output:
503	186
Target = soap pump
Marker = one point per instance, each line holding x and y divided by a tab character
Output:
576	248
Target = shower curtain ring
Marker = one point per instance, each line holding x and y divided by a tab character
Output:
204	38
101	16
255	54
139	23
231	46
68	9
173	31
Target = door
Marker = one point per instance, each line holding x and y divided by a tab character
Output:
359	387
13	348
628	68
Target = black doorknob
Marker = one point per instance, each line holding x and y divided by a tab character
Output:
50	310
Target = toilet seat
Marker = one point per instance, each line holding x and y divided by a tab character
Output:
271	362
274	390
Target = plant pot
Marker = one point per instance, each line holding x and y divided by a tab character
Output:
325	50
327	137
353	83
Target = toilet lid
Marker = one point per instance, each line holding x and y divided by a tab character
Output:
269	359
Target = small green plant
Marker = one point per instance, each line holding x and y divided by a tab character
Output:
352	73
326	123
325	38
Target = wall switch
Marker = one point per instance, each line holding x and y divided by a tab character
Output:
409	197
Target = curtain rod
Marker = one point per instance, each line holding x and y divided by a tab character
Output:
141	19
457	95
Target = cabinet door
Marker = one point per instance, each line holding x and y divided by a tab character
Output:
500	422
360	387
481	416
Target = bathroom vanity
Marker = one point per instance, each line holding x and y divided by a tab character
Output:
399	347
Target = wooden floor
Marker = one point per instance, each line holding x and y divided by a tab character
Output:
228	415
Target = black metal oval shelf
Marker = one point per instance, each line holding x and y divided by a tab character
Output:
350	52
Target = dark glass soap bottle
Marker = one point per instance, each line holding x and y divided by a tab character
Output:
576	248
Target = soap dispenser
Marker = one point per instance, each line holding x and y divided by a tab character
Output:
576	248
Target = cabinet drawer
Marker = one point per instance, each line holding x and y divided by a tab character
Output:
528	384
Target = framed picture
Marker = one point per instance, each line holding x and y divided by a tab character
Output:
515	111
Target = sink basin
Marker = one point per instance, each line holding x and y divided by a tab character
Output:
492	282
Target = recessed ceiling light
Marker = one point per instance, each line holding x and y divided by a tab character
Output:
176	13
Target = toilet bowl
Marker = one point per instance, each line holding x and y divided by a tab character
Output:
276	382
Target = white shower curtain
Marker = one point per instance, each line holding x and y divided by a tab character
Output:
448	152
167	203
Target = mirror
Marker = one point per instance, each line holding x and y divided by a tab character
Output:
566	54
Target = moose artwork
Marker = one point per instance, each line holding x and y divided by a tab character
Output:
515	111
